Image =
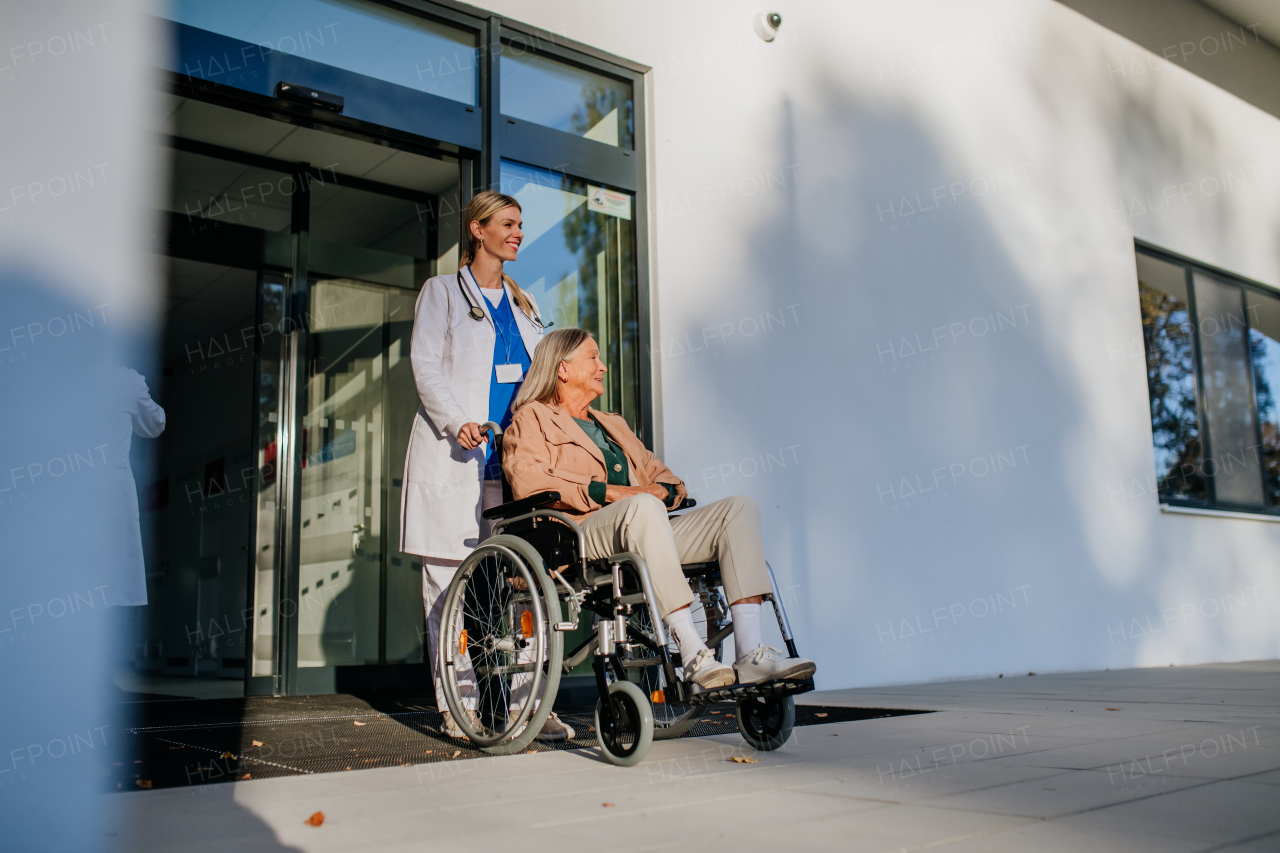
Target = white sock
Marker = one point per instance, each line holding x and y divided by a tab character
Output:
746	629
680	623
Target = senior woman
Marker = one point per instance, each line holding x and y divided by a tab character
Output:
619	493
473	332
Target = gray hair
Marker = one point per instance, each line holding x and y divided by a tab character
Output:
540	383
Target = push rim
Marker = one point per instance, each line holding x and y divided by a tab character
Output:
493	589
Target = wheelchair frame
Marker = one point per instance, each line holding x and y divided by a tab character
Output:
601	589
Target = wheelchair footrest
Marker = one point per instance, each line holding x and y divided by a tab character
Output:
736	692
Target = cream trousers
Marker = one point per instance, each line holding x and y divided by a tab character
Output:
727	530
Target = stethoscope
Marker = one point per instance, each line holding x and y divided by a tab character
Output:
477	314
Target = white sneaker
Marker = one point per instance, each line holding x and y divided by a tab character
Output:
451	729
555	729
707	672
767	664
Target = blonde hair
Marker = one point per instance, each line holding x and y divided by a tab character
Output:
481	209
541	382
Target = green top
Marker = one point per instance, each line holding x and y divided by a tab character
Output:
615	462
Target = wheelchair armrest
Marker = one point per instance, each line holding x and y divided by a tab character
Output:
687	503
521	506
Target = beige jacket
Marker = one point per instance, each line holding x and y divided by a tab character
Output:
544	450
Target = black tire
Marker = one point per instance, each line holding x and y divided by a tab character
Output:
766	721
504	573
629	741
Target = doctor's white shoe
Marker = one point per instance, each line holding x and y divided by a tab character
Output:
767	664
707	672
450	728
555	729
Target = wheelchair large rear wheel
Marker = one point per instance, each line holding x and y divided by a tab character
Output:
497	646
766	721
628	739
644	669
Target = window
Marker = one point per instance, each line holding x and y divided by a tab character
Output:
352	35
564	97
578	261
1213	356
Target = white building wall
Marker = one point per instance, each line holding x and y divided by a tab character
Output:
894	248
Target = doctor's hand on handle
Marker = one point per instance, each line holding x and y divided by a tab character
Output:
470	436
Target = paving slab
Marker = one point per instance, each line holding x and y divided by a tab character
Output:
1028	763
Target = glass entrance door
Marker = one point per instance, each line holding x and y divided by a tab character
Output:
359	598
293	582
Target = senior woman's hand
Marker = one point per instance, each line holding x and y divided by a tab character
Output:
613	494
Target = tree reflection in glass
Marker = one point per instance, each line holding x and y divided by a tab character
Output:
1171	381
1264	351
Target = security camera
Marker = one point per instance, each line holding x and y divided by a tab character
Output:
766	25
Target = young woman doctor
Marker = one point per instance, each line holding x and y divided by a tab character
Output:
474	333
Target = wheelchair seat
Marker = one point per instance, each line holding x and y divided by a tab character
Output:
701	570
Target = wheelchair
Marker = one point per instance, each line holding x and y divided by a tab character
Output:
516	595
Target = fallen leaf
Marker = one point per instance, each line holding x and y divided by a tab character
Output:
346	768
358	723
227	755
258	743
245	776
819	715
1113	709
744	759
607	805
456	753
1030	673
315	820
144	783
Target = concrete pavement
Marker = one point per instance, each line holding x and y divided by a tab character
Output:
1171	759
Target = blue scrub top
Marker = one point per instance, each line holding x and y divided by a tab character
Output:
508	348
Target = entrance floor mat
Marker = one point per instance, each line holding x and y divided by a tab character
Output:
182	743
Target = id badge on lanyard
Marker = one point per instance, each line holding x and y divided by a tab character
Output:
506	374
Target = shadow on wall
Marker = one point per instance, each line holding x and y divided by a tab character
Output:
1168	168
944	386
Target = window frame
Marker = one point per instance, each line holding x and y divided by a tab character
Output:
1190	267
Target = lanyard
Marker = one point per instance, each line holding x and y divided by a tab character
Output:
498	327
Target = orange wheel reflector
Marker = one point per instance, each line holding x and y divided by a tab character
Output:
462	642
526	623
657	697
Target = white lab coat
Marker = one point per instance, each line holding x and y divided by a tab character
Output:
452	359
133	413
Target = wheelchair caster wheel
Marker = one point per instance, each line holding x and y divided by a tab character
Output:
626	743
766	721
